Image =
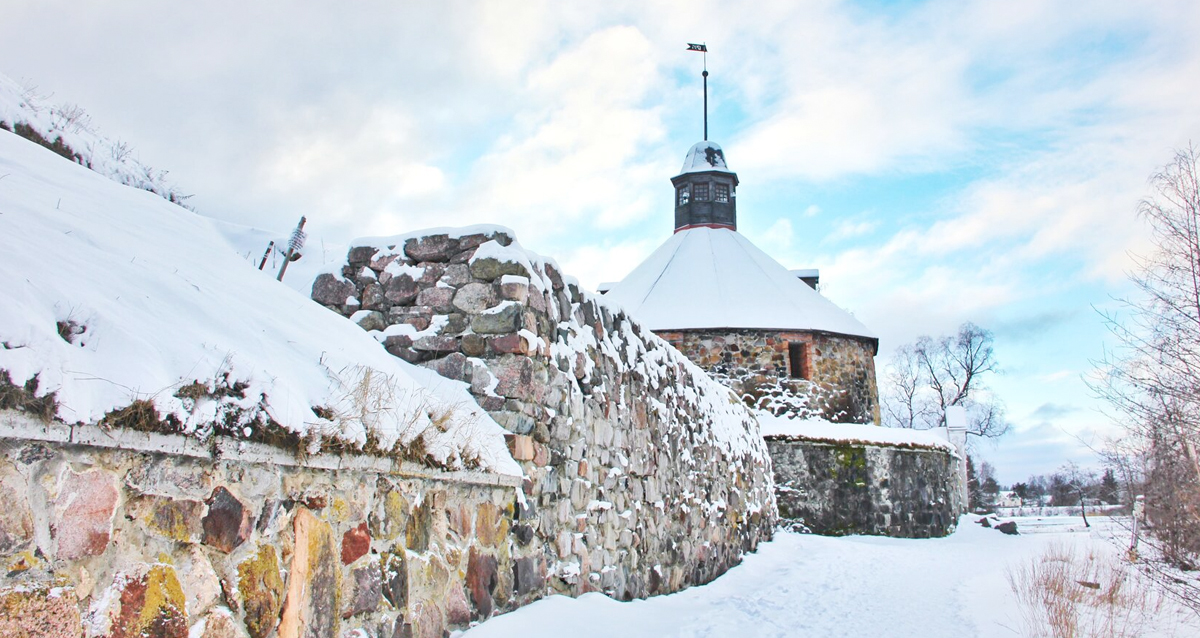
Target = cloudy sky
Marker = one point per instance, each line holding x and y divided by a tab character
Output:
939	161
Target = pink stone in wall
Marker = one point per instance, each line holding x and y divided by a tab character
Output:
39	611
83	514
509	344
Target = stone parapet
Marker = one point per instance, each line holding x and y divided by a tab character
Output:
644	476
100	540
836	488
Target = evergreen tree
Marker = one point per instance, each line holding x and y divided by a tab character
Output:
1110	491
974	494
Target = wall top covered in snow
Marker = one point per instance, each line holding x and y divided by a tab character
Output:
818	429
124	310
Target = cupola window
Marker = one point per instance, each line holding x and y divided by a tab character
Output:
701	192
683	196
721	193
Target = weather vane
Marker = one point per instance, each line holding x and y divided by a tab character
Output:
703	49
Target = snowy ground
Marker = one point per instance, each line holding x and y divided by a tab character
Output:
859	586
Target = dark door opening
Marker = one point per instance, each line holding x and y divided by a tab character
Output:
798	360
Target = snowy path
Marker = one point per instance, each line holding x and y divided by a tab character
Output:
801	585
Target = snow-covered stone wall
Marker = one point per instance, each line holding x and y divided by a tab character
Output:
644	475
837	379
837	487
125	533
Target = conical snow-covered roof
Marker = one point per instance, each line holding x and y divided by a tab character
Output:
715	278
704	156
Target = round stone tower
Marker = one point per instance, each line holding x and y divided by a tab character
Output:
738	313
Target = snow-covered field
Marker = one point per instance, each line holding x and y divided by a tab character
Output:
857	586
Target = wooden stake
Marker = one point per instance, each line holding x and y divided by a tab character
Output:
262	264
294	245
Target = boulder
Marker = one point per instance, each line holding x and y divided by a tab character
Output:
474	298
332	290
438	298
401	289
490	269
503	319
360	255
370	320
431	248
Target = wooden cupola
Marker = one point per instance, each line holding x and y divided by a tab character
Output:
705	190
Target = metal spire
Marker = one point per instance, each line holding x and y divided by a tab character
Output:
703	48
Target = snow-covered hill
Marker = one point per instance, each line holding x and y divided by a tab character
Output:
112	295
71	130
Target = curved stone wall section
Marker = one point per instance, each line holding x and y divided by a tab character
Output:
838	371
845	488
104	541
645	476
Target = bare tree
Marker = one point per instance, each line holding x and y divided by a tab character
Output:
931	375
1152	378
904	405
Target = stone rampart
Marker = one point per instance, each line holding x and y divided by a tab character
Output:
125	533
837	379
644	476
838	488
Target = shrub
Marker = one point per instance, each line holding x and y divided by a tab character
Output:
58	145
25	399
1068	593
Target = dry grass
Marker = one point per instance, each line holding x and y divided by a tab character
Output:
25	398
1069	593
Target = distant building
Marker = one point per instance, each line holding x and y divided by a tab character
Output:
1008	499
742	316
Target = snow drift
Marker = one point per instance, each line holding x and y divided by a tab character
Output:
113	295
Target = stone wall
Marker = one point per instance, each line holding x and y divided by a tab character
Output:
138	534
645	476
838	488
839	375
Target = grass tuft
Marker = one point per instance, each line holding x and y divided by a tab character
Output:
57	144
25	398
1066	593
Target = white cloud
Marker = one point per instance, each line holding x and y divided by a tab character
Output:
593	265
776	239
849	229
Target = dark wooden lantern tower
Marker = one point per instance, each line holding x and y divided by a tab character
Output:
706	190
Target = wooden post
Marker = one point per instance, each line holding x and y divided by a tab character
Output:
262	264
294	246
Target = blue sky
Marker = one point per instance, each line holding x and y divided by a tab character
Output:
939	161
